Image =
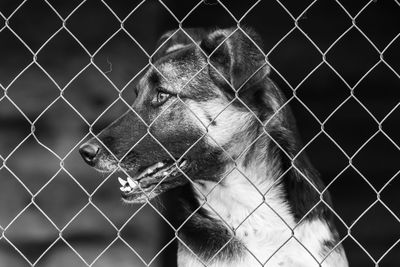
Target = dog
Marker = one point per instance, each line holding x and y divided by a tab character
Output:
208	119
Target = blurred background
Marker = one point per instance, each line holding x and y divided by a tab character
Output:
56	211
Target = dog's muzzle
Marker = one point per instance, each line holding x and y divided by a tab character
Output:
146	182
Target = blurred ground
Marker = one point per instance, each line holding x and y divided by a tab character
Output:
60	127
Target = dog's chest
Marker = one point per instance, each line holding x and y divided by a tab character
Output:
188	259
263	226
256	223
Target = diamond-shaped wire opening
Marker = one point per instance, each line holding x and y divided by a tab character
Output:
62	67
379	104
88	226
387	11
33	92
329	14
35	22
90	87
144	14
92	31
344	187
57	193
322	92
139	233
352	56
120	59
328	170
378	170
54	127
33	225
295	48
360	126
368	232
33	155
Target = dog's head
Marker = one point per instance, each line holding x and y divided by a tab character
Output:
196	108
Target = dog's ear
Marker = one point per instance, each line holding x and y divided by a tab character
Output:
176	39
236	54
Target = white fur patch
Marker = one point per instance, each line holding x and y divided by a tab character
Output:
263	227
228	119
174	48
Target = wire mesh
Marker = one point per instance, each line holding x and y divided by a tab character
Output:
120	90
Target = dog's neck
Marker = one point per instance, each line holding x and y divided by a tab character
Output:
245	194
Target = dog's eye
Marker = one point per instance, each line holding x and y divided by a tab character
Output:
160	98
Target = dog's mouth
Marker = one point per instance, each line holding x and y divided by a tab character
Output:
152	181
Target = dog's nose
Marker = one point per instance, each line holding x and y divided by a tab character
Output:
89	152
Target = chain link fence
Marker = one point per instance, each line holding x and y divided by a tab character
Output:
46	114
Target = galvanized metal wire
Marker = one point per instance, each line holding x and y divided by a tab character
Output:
238	28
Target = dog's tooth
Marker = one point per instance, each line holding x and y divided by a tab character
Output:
160	164
121	181
126	189
132	183
183	163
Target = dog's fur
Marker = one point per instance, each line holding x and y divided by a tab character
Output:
252	198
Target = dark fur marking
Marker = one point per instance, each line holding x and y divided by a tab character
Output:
211	121
300	194
328	246
204	235
154	79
